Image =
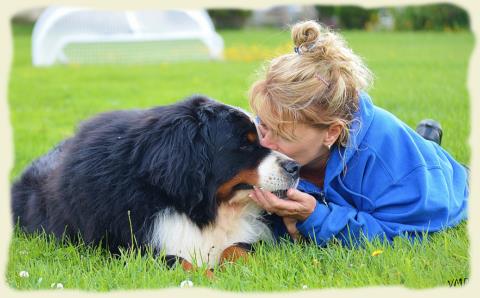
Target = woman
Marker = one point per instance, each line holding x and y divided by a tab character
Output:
364	172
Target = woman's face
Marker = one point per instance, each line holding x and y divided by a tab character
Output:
308	146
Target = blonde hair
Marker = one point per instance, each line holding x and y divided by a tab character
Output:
316	85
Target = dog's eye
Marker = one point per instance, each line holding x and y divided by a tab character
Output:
248	148
249	141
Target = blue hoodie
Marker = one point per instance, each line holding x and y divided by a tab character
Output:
388	181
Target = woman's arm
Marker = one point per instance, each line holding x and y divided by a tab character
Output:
417	203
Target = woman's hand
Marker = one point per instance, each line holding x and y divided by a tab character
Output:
291	225
298	206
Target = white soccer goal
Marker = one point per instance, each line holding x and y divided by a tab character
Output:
87	36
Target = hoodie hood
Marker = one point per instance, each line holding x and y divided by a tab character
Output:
340	156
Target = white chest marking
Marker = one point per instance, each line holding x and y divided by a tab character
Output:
176	234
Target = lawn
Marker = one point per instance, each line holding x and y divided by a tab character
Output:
418	75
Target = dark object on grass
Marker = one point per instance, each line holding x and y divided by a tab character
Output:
430	130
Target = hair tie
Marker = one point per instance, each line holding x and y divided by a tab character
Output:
309	48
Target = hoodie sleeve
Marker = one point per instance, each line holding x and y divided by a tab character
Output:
419	202
341	222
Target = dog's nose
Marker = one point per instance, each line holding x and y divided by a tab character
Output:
291	167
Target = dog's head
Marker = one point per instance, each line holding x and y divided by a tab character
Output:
200	153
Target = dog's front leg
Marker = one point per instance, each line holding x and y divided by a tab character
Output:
235	252
172	261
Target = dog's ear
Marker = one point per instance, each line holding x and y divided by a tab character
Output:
173	155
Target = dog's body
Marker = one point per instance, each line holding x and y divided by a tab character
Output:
175	178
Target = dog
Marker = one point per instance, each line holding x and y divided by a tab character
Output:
174	178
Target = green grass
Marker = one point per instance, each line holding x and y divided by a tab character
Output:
418	75
287	266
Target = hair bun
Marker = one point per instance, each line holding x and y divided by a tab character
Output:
305	33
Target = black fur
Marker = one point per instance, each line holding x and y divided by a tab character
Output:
122	167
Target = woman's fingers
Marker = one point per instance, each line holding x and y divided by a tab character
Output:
273	204
266	200
299	205
305	200
259	198
298	196
291	225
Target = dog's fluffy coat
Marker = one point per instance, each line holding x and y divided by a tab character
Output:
177	176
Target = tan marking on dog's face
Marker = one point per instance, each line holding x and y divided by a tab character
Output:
225	191
252	137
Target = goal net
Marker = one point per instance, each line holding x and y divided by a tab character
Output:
87	36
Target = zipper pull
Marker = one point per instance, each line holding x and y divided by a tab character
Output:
322	196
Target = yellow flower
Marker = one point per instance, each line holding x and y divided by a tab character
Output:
377	252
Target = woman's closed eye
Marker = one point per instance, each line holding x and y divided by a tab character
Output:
263	129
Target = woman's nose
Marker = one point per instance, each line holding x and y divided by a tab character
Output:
266	142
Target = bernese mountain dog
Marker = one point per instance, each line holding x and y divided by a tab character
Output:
175	178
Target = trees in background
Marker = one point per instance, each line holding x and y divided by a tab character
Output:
425	17
439	17
431	17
